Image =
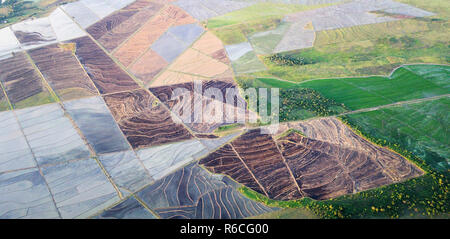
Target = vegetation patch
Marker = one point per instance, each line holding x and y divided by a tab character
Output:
301	103
289	60
12	11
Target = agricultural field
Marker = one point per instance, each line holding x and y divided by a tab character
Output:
325	97
420	128
93	126
327	161
208	103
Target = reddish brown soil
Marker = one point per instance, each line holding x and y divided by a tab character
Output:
107	76
148	66
164	93
226	161
144	121
109	23
143	11
328	162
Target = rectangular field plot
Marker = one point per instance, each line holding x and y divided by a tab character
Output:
128	209
62	71
22	82
97	124
34	33
192	192
143	120
25	195
126	170
162	160
14	150
80	188
114	29
420	128
169	47
187	33
51	135
107	76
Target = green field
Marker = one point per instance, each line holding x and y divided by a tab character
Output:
363	58
258	12
421	128
365	50
12	11
406	83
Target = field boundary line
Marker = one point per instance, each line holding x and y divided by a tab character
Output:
251	173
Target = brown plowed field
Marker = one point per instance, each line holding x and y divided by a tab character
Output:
334	131
144	121
261	155
109	23
107	76
329	161
164	93
136	14
62	71
226	161
20	79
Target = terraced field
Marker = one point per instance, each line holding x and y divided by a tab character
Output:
329	161
194	193
143	120
232	112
